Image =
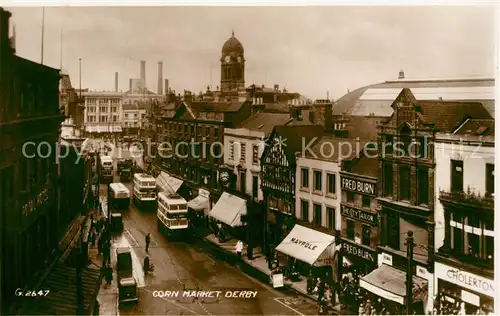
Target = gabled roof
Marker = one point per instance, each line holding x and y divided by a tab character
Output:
293	137
204	106
447	116
265	122
478	127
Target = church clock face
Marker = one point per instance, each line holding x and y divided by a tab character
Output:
228	58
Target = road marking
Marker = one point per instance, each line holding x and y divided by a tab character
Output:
135	242
277	299
176	304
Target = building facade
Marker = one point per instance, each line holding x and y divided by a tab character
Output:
29	119
232	65
464	213
103	112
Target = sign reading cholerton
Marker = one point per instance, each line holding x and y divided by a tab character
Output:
358	186
358	214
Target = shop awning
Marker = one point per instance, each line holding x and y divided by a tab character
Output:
61	300
199	203
167	183
229	209
307	245
390	283
116	129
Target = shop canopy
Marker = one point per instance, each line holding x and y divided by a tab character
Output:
167	183
390	283
229	209
199	203
308	245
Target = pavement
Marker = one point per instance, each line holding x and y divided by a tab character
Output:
192	265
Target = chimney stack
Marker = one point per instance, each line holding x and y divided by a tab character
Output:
401	74
130	84
5	42
116	81
160	78
166	86
143	74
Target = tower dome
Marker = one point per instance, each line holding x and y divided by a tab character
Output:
232	45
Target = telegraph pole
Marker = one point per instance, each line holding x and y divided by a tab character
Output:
409	273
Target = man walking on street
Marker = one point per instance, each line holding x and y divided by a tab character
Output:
148	241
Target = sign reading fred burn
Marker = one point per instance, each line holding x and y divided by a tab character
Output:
358	186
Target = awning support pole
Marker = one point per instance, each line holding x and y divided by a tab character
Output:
409	273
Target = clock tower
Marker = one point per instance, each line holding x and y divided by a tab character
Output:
232	65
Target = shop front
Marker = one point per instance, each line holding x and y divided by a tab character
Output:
386	287
305	249
356	259
198	209
228	213
459	291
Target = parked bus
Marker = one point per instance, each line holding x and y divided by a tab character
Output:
172	214
144	191
106	168
119	197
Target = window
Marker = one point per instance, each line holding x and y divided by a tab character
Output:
423	186
217	132
490	178
404	140
350	229
304	178
393	231
191	133
231	150
318	185
243	182
473	239
255	186
350	196
317	214
457	176
242	153
102	109
331	183
366	235
387	179
366	201
113	109
422	147
255	154
469	237
330	214
115	118
404	183
389	140
304	210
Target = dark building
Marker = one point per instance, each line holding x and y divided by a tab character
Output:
232	66
29	119
278	163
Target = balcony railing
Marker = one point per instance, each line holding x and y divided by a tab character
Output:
468	197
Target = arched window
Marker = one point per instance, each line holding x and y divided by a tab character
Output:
405	139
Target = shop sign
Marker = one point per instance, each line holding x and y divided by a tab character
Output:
358	186
358	214
278	280
304	244
422	272
358	251
384	258
465	279
470	298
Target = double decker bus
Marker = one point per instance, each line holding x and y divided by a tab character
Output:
106	168
172	214
144	191
119	197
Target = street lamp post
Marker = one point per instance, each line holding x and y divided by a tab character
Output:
409	274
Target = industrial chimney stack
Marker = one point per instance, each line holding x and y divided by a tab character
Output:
166	87
159	90
143	74
116	81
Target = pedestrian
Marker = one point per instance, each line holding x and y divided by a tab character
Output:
93	236
148	241
239	248
109	275
321	291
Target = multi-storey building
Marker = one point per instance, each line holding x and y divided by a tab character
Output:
243	147
103	112
279	167
132	120
464	215
406	192
29	119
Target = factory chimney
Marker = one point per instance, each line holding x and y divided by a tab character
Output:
130	84
160	78
116	81
166	87
143	74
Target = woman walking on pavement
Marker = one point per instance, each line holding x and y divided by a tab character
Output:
148	241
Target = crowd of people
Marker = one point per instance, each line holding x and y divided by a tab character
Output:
443	306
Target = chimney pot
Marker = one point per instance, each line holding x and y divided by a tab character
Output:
160	78
401	74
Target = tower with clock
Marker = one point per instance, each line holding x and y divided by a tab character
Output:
232	65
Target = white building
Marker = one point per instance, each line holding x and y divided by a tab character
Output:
318	186
133	117
464	215
243	148
103	112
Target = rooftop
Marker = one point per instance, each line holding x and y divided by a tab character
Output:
293	137
265	122
478	127
335	149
